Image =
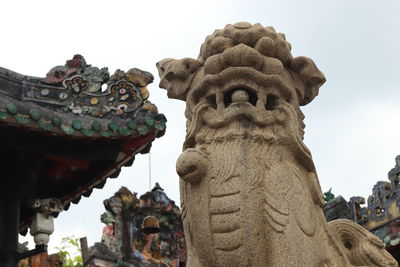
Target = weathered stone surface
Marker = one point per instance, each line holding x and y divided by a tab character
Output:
249	190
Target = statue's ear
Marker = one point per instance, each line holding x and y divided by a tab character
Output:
177	75
311	78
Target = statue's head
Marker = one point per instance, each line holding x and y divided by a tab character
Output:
243	72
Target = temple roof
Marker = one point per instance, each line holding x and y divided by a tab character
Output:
75	103
73	129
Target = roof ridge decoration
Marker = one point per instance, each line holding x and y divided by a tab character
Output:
115	105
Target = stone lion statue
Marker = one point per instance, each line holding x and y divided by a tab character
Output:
249	189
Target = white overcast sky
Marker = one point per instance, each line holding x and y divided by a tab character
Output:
353	125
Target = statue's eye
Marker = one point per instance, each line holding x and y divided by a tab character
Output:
211	101
272	102
169	76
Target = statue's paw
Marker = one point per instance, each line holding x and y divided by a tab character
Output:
191	165
361	247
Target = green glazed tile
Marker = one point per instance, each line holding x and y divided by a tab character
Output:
22	119
113	126
56	121
67	129
3	115
96	126
87	132
45	125
160	125
106	133
149	120
12	108
34	114
124	131
132	124
77	125
142	129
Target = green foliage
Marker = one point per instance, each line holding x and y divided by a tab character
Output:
70	252
329	196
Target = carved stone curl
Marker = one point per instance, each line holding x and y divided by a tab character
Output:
249	190
362	247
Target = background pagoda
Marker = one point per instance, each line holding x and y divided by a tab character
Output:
144	231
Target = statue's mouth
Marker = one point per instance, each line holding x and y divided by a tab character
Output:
256	97
243	95
244	109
